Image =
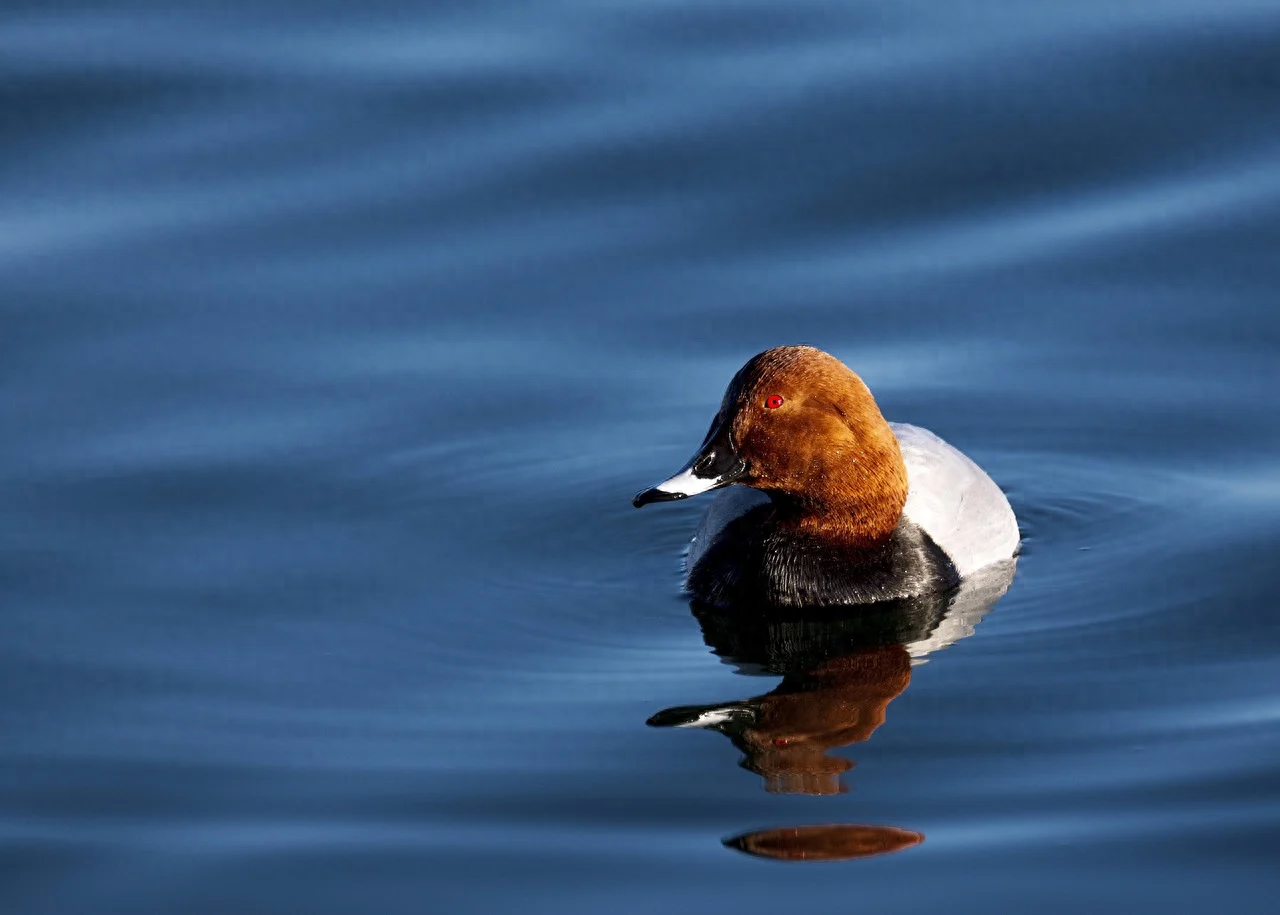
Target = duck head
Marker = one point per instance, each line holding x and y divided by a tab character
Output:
799	425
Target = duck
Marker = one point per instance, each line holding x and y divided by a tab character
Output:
825	502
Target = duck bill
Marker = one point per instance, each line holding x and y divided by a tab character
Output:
716	464
734	716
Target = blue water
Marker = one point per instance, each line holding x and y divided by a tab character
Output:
335	339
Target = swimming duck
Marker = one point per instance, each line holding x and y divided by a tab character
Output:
836	505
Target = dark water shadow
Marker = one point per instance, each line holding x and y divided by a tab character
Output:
840	670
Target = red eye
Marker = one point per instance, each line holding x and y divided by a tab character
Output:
773	401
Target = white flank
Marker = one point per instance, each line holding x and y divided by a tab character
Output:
955	502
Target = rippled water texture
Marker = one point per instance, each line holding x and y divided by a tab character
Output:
337	337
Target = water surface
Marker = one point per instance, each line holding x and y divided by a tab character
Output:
336	339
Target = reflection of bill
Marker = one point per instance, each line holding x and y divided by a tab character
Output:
837	842
840	670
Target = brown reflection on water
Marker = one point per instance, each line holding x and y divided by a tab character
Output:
785	735
841	668
835	842
839	703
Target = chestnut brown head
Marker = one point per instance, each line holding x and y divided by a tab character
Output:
798	424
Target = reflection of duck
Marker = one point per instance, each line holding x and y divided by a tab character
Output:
849	510
840	670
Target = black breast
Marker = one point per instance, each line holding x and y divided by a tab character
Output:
754	563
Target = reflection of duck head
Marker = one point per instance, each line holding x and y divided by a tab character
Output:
785	734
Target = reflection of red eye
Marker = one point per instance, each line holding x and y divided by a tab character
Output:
773	401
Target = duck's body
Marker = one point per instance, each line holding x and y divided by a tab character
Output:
846	508
955	521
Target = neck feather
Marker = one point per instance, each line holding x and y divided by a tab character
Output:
858	498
